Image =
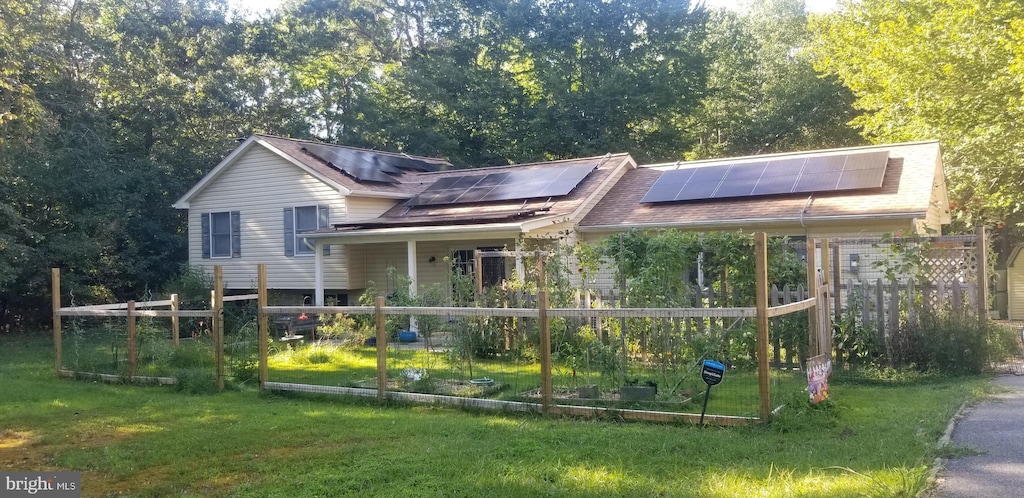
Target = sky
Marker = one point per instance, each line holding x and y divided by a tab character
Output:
258	6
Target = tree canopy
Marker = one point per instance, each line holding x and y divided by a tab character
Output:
111	109
951	70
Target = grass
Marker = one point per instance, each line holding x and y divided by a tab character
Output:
418	370
874	439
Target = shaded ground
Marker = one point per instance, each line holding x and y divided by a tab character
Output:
995	430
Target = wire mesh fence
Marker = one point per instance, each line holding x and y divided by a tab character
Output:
584	346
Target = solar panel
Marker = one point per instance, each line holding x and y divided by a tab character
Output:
771	177
553	181
365	165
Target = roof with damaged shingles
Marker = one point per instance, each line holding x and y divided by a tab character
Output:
407	186
907	187
493	212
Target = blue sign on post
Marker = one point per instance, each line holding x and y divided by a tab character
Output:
712	372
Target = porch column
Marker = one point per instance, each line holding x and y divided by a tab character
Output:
413	283
318	273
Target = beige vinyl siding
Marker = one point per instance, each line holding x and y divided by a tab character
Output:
365	208
938	204
260	184
1015	287
375	259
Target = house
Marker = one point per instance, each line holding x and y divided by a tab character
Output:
328	220
1010	286
333	219
854	193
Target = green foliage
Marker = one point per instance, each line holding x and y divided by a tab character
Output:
799	414
904	256
196	382
938	69
342	329
763	95
951	342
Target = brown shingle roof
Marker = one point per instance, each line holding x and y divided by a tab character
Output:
906	189
493	212
408	185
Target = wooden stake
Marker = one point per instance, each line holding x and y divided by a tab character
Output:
131	339
761	288
55	299
545	351
174	320
382	348
218	323
264	325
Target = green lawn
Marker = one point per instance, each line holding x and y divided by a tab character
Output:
153	441
419	370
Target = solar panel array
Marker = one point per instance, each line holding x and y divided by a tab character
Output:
365	165
506	185
771	177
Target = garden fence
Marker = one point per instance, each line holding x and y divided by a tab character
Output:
518	353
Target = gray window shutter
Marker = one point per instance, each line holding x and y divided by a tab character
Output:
289	232
236	234
205	238
324	211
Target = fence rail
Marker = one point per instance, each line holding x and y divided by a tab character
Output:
654	326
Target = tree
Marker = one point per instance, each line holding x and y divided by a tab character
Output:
499	82
939	69
763	94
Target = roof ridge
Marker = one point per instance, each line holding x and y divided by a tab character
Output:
362	149
776	155
605	157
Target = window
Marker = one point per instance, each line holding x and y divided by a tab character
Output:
300	220
306	220
493	269
221	234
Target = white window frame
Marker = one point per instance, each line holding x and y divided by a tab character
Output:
213	236
301	249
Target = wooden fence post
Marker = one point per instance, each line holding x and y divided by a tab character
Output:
761	288
837	282
545	351
131	339
218	323
264	326
825	314
478	274
175	305
55	299
982	247
812	287
883	336
382	348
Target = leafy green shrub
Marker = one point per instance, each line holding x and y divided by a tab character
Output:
798	413
244	370
195	355
342	329
949	343
196	381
